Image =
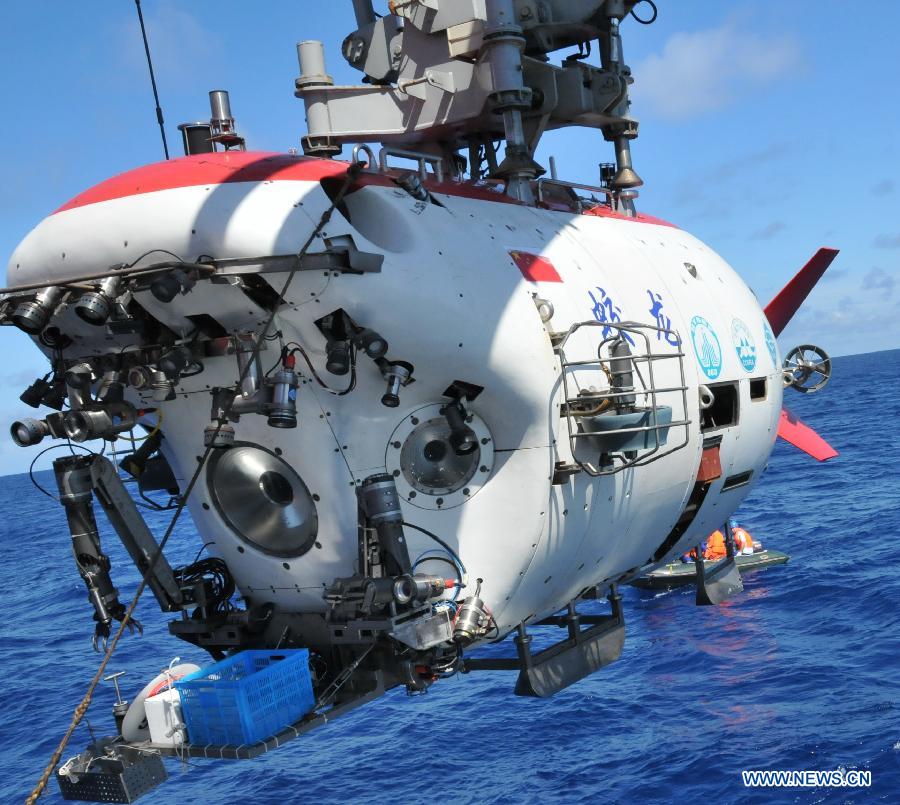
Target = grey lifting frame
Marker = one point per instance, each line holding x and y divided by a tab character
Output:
566	662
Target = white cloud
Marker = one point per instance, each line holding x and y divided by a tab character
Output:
845	324
702	71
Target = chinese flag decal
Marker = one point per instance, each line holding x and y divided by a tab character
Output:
534	267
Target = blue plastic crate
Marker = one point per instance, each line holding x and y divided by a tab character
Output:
247	697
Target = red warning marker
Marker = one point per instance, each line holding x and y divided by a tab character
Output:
534	267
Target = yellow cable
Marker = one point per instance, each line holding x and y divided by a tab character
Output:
146	436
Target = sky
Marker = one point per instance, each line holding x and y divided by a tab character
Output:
767	130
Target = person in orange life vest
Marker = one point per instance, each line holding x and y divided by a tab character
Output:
743	542
689	557
715	546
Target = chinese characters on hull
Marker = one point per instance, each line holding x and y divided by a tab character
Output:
607	312
662	320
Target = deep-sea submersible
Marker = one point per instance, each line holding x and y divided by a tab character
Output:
417	401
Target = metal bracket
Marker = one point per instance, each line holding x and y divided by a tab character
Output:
341	255
562	472
582	653
722	580
362	631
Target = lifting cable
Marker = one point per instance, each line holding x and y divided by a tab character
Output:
353	172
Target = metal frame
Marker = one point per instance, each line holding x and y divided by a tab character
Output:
581	653
543	182
423	158
249	751
649	389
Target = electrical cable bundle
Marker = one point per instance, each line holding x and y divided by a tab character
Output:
213	571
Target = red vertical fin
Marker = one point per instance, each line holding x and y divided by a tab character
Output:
783	307
792	430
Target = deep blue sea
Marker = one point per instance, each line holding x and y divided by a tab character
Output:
799	672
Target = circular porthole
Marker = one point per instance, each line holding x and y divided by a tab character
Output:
427	470
263	499
430	465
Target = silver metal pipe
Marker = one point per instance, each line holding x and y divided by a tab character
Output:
512	124
500	13
542	183
615	42
245	351
219	105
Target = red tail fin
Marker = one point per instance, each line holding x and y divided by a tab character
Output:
792	430
783	307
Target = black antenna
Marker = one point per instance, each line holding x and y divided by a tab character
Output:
159	112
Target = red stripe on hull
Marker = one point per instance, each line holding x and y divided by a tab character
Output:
602	211
207	169
247	166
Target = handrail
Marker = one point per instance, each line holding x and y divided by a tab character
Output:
647	388
420	156
571	186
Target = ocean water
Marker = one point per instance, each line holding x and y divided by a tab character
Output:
799	672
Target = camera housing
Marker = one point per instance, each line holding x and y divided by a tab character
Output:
95	307
32	316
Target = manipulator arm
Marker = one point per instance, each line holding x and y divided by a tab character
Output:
73	477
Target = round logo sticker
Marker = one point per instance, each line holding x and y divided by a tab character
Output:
771	344
743	344
706	347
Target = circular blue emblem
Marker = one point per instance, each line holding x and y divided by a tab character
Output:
744	344
706	347
771	344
